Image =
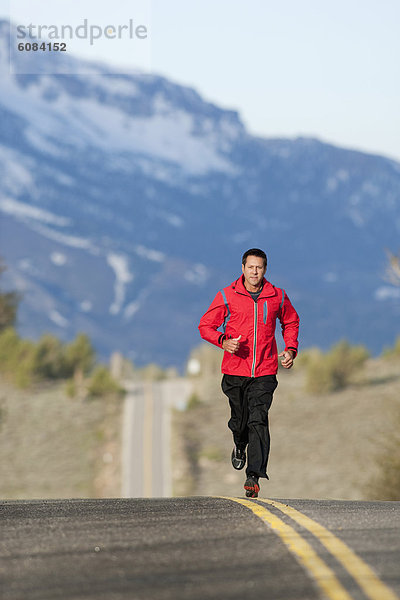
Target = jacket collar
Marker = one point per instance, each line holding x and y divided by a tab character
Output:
267	290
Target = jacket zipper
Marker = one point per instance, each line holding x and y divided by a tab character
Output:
253	367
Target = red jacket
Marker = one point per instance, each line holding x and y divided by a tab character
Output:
236	311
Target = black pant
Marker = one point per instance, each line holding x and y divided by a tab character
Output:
250	399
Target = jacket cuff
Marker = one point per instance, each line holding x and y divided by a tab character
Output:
221	338
293	350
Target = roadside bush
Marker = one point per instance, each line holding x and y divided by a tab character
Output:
151	372
23	368
304	357
332	371
70	388
9	342
386	484
23	362
16	358
49	358
101	383
8	304
79	356
193	402
394	351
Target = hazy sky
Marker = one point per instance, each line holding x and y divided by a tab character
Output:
294	67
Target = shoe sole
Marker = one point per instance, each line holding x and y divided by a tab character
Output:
252	491
238	467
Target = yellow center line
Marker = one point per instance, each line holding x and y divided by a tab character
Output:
372	586
148	441
306	555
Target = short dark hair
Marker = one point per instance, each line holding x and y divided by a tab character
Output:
254	252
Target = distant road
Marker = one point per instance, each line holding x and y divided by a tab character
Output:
199	549
146	469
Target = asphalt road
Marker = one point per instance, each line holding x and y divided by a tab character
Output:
199	548
145	471
146	436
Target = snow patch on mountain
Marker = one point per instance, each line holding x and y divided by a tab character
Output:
149	254
120	265
333	182
131	309
58	319
174	220
172	134
26	265
166	136
58	259
26	211
387	292
39	142
118	86
86	306
371	189
197	275
15	175
72	241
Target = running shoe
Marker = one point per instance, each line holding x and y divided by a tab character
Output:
238	458
251	486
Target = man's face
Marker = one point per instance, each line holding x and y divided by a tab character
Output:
253	271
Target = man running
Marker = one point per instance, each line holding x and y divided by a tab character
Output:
247	310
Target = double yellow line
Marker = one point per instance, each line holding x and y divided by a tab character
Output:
373	587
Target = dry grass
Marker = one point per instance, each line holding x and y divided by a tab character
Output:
53	446
324	446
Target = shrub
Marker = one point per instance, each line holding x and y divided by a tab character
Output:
49	358
304	357
333	371
70	388
394	351
385	485
101	383
23	372
9	342
16	358
193	401
151	372
8	305
79	355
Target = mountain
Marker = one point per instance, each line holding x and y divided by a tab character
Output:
127	201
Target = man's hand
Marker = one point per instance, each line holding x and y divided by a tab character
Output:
231	345
287	359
